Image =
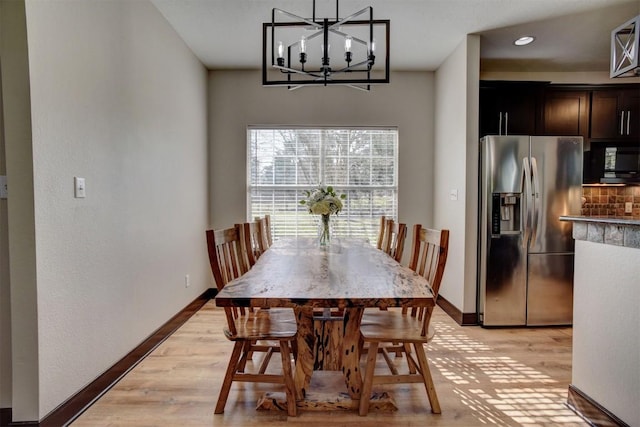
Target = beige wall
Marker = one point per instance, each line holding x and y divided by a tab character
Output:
456	169
21	384
5	295
606	320
237	100
116	98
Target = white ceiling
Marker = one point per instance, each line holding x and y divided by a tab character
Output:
570	34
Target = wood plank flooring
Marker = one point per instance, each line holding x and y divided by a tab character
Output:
484	377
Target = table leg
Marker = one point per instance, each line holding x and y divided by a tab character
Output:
350	370
306	343
351	352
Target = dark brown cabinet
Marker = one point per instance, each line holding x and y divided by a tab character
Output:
604	115
615	113
509	108
565	113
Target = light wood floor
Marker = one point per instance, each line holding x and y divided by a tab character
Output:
484	377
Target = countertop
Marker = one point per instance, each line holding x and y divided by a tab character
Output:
618	220
617	231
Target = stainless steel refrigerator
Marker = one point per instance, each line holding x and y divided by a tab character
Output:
525	252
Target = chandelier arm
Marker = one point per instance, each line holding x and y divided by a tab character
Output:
291	15
343	34
364	89
287	70
353	68
353	16
319	79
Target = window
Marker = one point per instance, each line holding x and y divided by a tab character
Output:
359	162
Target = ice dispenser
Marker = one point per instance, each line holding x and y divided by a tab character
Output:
505	214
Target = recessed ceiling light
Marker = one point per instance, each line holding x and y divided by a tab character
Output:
523	41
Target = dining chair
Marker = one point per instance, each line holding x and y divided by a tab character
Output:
252	241
394	238
276	328
269	231
381	232
264	225
405	328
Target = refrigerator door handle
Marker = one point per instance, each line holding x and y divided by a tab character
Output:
526	190
500	123
534	200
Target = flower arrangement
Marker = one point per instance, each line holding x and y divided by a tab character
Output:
325	202
321	201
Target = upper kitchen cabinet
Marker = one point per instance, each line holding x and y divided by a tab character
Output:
565	112
615	113
509	108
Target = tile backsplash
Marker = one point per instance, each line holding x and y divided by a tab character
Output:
610	201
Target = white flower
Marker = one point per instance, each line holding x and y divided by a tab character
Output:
321	201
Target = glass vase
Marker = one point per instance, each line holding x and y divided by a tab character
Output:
324	230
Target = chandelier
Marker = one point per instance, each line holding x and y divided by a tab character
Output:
625	43
298	52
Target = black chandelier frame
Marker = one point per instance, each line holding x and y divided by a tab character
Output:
359	75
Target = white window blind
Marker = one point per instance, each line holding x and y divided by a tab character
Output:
359	162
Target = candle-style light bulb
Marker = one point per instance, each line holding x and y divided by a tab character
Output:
347	49
280	50
280	58
347	43
372	57
303	50
303	44
325	55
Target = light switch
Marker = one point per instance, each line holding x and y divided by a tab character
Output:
453	194
628	207
79	191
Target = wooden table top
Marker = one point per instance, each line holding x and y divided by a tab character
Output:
349	273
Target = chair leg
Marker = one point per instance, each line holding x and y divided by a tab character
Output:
287	373
426	376
387	359
250	352
367	384
228	377
407	351
246	352
265	361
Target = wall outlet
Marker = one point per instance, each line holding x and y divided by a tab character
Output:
628	207
187	281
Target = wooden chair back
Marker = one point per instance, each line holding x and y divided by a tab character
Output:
429	254
394	239
252	241
381	232
225	247
268	230
428	259
227	259
264	227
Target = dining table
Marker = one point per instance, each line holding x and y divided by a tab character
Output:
328	288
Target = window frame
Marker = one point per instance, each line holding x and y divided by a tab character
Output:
393	187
